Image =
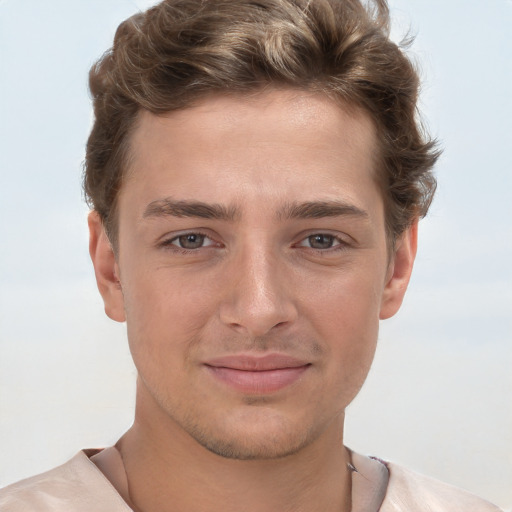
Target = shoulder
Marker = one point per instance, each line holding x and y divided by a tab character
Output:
76	486
408	490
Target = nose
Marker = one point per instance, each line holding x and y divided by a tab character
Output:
259	298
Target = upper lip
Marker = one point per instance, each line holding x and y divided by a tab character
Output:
257	363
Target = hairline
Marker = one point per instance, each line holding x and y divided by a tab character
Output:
352	108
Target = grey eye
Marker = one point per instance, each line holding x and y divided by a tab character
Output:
321	241
190	241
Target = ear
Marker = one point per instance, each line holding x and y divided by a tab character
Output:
399	272
105	268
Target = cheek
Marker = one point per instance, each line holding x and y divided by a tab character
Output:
346	303
164	315
345	315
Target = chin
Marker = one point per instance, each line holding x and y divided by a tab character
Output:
257	439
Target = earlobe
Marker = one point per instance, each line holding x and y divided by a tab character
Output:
400	270
105	268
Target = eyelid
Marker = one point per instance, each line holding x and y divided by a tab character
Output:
343	239
337	242
169	238
205	237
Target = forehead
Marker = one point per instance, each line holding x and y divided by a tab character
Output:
281	144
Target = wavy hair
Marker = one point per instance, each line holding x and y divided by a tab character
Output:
179	51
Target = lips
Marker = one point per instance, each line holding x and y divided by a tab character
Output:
257	375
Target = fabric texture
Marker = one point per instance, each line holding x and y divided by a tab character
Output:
80	486
76	486
370	480
410	491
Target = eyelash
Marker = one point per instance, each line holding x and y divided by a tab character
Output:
340	243
169	243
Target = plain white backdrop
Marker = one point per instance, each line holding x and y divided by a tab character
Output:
439	397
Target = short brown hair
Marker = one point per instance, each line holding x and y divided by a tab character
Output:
179	51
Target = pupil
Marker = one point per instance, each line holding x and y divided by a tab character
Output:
321	241
192	241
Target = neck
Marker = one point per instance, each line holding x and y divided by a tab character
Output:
167	470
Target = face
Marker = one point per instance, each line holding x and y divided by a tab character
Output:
252	269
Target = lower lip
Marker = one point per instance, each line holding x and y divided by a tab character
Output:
258	382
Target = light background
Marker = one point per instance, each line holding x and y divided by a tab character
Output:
439	396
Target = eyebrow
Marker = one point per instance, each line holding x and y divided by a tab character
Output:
168	207
320	209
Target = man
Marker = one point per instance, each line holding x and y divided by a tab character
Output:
256	175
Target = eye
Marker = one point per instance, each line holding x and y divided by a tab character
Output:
191	241
320	241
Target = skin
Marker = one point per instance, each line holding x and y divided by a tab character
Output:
261	277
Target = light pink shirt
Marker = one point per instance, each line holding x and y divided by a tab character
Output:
81	486
369	479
